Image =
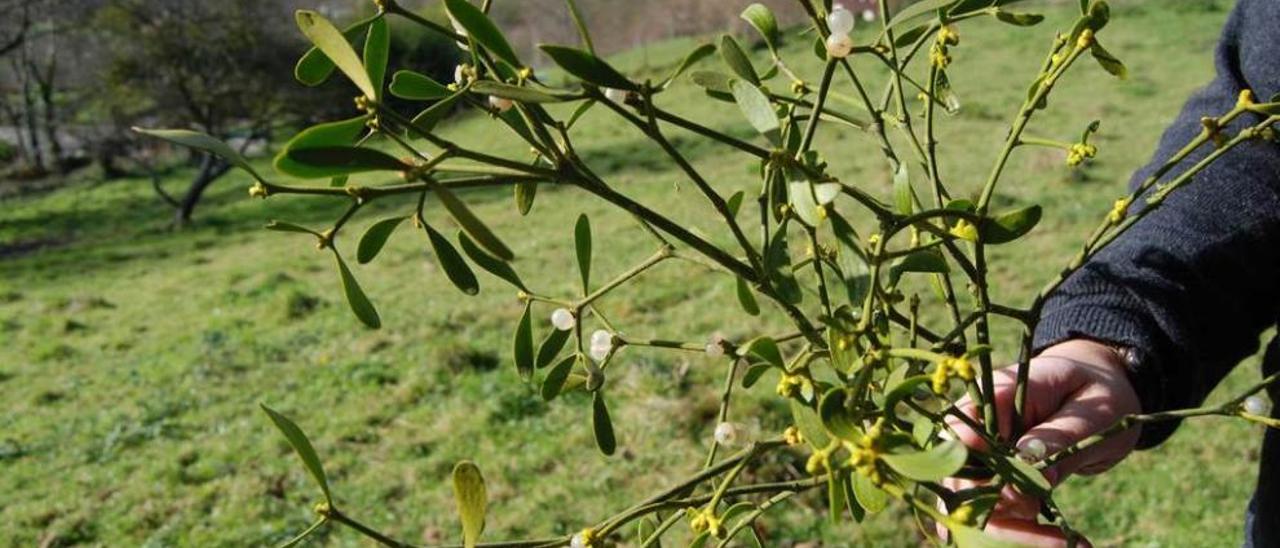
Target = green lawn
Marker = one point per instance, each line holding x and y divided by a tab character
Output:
132	357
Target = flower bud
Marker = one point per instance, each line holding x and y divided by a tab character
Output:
618	96
501	104
729	434
839	46
562	319
792	436
840	20
1033	450
1255	405
582	539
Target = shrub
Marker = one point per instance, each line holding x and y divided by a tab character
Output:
867	376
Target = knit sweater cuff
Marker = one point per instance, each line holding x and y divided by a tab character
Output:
1116	317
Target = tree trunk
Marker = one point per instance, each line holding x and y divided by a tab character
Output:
45	88
211	168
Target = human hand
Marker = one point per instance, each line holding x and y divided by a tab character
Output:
1075	389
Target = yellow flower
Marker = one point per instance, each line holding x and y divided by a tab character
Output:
940	377
965	231
792	436
1119	210
258	190
947	35
1245	100
1085	40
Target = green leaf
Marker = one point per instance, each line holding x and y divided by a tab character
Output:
333	161
908	37
1108	61
455	268
581	24
602	425
712	81
1019	19
588	67
807	198
356	298
481	29
301	445
760	17
553	384
809	424
701	540
763	349
471	497
702	52
522	346
523	94
525	192
855	509
853	265
314	67
284	226
432	115
754	373
924	260
407	84
1099	15
917	9
490	263
336	47
470	223
582	244
746	298
735	203
328	134
1007	227
901	391
836	416
777	262
551	347
872	499
201	141
377	48
756	107
932	465
904	196
738	61
969	537
376	237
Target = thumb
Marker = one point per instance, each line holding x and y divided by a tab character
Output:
1086	413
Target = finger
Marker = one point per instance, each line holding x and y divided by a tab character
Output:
1005	382
1030	533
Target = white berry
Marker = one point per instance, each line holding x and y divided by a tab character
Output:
501	103
577	541
602	338
727	433
1032	451
459	75
839	46
868	15
616	95
714	350
1255	405
840	20
562	319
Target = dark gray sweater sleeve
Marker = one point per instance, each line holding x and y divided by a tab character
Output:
1192	285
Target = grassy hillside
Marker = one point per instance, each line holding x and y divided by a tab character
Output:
132	358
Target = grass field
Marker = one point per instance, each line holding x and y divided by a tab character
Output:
132	357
